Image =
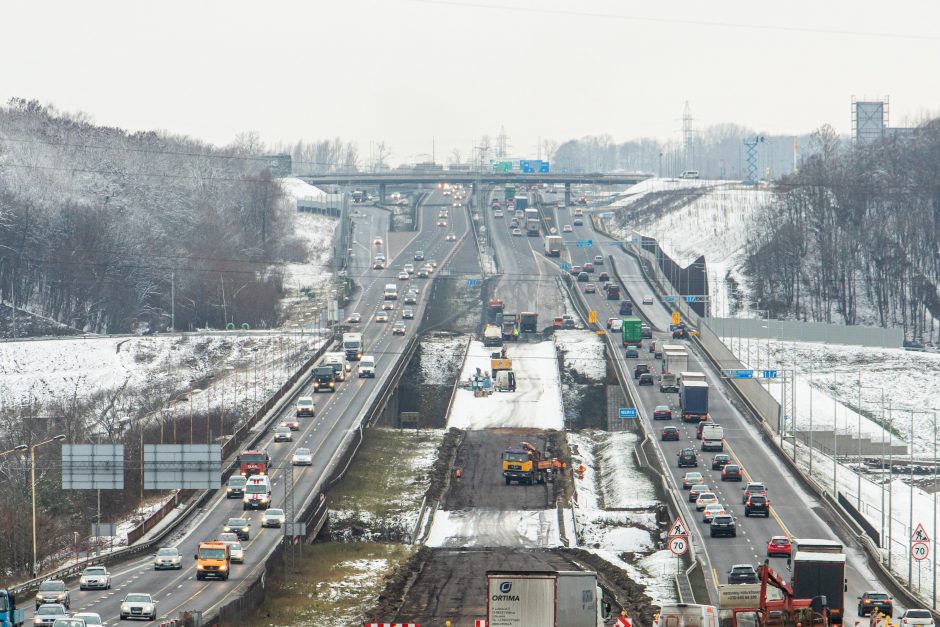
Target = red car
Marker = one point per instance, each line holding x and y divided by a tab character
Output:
293	425
779	545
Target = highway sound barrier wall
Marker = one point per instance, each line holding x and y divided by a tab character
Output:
796	331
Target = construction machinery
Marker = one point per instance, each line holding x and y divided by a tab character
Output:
508	326
494	309
787	611
492	336
525	465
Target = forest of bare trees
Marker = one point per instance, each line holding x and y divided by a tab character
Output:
853	237
110	231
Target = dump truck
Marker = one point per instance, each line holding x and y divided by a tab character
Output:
631	332
508	326
528	322
544	598
525	465
553	246
693	400
492	335
10	615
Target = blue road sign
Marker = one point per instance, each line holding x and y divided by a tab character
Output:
628	412
741	374
769	374
694	299
543	167
669	299
564	265
473	282
585	243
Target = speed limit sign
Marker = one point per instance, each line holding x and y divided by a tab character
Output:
920	550
678	545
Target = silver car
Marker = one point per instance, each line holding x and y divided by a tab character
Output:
283	434
47	613
237	552
95	578
168	558
302	457
91	619
273	518
138	605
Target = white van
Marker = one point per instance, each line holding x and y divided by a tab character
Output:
687	615
367	366
713	437
257	493
391	291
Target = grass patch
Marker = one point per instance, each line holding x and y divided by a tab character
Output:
334	585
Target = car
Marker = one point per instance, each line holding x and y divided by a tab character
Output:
779	545
662	412
757	505
670	434
872	600
731	472
687	458
631	352
705	499
712	510
409	268
626	308
603	276
590	288
598	260
442	222
378	265
399	328
227	537
646	379
584	277
647	299
915	617
442	213
274	517
403	276
91	619
742	573
589	267
432	263
567	229
241	527
69	622
377	241
578	221
305	406
138	605
381	317
720	460
517	232
379	257
236	553
680	334
48	613
450	237
753	487
53	591
653	346
419	255
692	478
283	434
423	273
646	330
723	525
95	578
408	313
497	214
355	318
168	558
616	325
410	299
302	457
658	354
575	270
640	369
696	491
293	425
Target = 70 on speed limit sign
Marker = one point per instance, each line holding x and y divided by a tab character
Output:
678	544
920	550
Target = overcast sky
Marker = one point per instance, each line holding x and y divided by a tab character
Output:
407	71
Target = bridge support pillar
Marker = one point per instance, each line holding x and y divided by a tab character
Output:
567	194
381	192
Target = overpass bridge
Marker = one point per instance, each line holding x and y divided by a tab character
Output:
433	177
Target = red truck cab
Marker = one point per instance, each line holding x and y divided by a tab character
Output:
253	463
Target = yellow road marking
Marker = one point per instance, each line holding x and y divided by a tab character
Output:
747	476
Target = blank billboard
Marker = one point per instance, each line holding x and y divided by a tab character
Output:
869	121
92	466
182	466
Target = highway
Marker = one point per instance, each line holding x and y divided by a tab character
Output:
337	415
795	512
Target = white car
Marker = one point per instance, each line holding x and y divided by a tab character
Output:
138	605
168	557
409	268
705	499
566	229
408	313
403	276
451	237
283	434
95	578
355	318
381	317
236	552
715	509
497	214
915	617
647	300
302	457
91	619
388	305
273	518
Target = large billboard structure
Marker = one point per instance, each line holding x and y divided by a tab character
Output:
869	120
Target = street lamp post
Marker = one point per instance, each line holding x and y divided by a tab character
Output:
32	485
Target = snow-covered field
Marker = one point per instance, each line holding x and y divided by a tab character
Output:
582	351
614	511
494	528
536	403
317	233
441	356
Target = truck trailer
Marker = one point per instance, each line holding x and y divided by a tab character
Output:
352	344
553	246
544	598
631	332
693	400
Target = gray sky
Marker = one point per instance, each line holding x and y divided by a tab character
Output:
404	71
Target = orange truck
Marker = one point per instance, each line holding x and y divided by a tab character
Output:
253	463
212	560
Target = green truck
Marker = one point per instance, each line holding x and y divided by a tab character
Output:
631	332
509	193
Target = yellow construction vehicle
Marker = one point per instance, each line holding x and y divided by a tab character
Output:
525	465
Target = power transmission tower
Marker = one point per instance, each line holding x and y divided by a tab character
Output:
750	147
688	137
502	143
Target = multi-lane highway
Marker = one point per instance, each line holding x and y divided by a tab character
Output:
338	414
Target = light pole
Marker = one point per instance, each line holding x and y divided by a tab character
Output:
32	484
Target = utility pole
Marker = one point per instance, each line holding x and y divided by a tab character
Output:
172	301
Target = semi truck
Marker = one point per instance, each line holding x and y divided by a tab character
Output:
692	376
818	568
510	193
521	202
531	222
544	598
492	336
324	378
631	332
352	344
10	615
528	322
693	400
553	246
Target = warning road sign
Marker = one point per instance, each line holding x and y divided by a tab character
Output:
623	621
920	550
676	317
678	528
920	535
678	545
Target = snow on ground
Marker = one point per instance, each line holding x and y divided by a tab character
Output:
536	403
495	528
615	510
631	194
440	356
582	351
296	189
714	225
316	232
